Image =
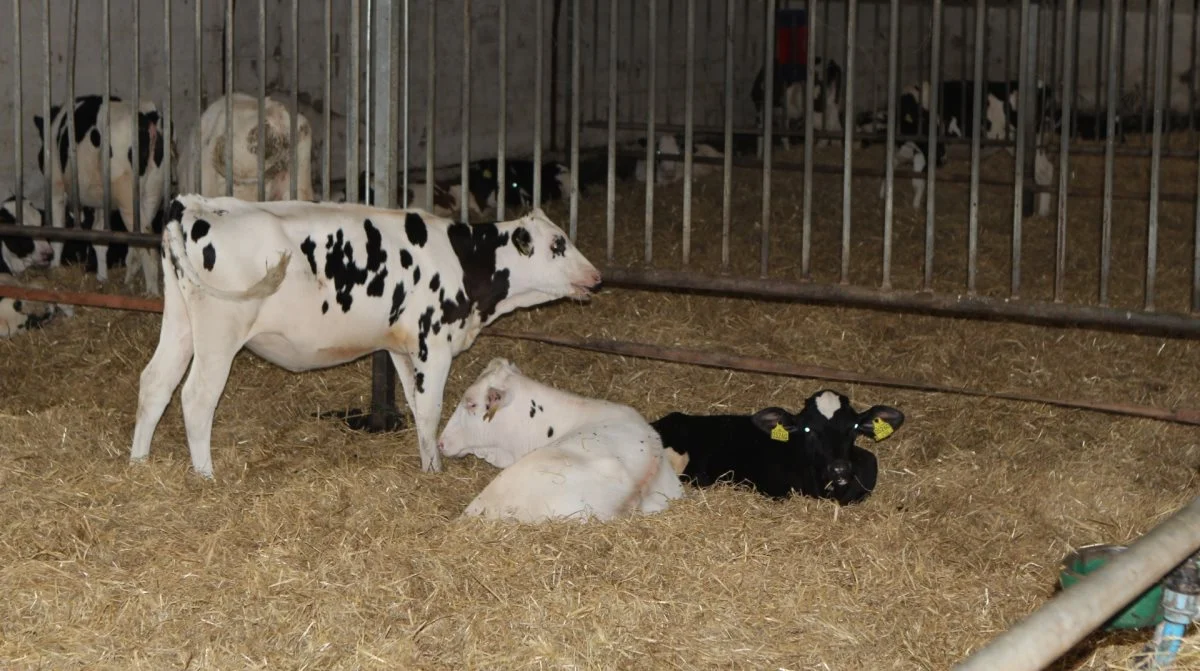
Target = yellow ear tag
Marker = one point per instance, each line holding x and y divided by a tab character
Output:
491	412
779	433
908	118
882	429
487	174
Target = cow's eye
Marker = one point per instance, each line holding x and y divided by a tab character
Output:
470	406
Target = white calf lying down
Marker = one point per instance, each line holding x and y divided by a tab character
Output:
312	285
18	316
564	456
205	150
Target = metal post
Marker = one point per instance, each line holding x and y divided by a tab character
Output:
262	99
651	115
18	108
848	131
326	159
167	134
689	113
197	82
1019	169
768	136
228	97
294	123
610	194
539	100
69	107
1160	77
464	133
889	180
502	122
431	102
1064	154
809	132
352	82
1114	30
575	121
976	134
135	136
727	179
935	71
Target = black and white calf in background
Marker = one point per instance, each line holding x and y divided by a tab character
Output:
484	178
446	196
563	455
811	453
18	254
312	285
150	169
788	96
1001	102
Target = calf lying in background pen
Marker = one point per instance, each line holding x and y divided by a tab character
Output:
18	254
777	453
563	455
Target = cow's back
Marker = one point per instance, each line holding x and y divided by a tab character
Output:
729	447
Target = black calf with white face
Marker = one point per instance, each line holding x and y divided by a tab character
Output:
811	453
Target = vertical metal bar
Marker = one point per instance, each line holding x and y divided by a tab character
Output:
228	97
670	49
1008	76
651	109
404	123
106	110
47	138
167	134
768	133
1064	156
1114	31
372	182
889	180
293	125
135	136
689	113
262	99
611	191
1145	112
935	71
197	83
1196	244
976	135
502	123
1073	131
326	154
1019	169
575	120
464	212
962	65
1160	83
431	102
1120	47
18	107
848	142
1169	8
381	52
727	179
807	179
594	48
539	100
353	74
1192	75
1101	54
72	139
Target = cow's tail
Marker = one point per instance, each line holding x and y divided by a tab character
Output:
176	251
641	488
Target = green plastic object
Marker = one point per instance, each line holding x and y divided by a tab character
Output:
1145	611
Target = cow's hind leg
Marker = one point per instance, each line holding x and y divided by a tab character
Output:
216	343
918	183
162	375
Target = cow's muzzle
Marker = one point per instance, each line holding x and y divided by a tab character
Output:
586	288
839	472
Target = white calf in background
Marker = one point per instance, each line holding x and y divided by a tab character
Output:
563	455
206	150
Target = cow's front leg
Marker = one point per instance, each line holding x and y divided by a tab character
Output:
404	370
918	183
429	381
58	219
148	255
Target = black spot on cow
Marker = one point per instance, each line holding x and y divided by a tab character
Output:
435	282
376	257
406	259
87	111
397	303
129	155
341	268
308	247
420	383
19	245
559	248
375	288
550	432
414	227
523	241
437	328
94	136
416	276
324	307
210	256
149	139
475	246
200	229
424	326
175	211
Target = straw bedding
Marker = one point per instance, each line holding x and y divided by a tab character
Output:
322	548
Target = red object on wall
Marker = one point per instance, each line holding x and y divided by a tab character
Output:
791	37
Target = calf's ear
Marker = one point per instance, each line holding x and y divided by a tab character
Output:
773	421
496	399
880	422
